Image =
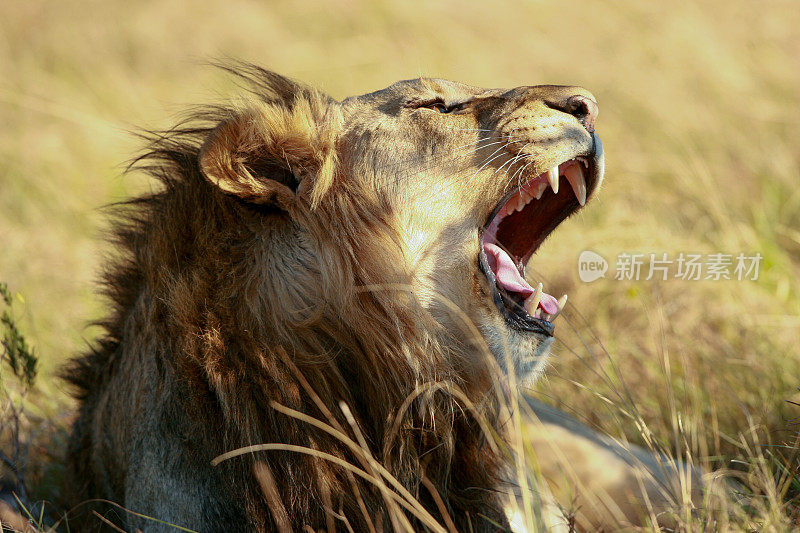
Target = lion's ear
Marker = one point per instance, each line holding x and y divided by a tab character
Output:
263	152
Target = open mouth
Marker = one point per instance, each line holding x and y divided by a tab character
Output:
517	227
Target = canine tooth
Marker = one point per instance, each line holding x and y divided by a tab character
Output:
520	202
561	303
552	177
532	302
574	176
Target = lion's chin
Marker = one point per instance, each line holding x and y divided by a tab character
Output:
521	356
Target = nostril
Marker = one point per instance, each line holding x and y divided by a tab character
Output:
584	109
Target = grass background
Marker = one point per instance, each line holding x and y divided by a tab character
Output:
699	114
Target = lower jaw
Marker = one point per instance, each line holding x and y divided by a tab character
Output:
515	321
526	323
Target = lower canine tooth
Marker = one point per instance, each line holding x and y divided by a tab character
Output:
561	303
574	176
532	302
552	177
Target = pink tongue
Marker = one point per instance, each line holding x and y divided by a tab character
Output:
509	278
505	270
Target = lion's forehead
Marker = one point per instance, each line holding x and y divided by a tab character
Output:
419	88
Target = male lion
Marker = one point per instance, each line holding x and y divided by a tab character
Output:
343	282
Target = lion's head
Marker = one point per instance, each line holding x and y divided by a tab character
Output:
306	253
433	187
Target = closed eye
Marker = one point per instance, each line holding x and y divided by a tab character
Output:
436	104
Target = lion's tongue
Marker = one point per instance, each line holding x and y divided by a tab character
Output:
509	278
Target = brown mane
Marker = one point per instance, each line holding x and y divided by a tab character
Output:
214	323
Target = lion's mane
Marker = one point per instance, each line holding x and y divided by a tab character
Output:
222	329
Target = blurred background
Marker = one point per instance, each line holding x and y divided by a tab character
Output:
699	114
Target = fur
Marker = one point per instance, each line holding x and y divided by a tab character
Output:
283	267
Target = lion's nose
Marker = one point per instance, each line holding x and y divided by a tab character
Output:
581	107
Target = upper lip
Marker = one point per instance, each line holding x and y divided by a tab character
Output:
561	206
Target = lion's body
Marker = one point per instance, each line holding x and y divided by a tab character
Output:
239	298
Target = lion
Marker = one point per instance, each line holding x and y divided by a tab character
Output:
319	315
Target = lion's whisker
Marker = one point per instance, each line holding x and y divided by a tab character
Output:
477	145
478	149
487	162
514	159
521	172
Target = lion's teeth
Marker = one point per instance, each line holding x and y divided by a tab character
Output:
520	202
539	191
561	303
574	176
552	177
532	302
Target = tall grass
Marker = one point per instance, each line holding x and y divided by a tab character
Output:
698	116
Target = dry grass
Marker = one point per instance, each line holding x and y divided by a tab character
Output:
698	115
